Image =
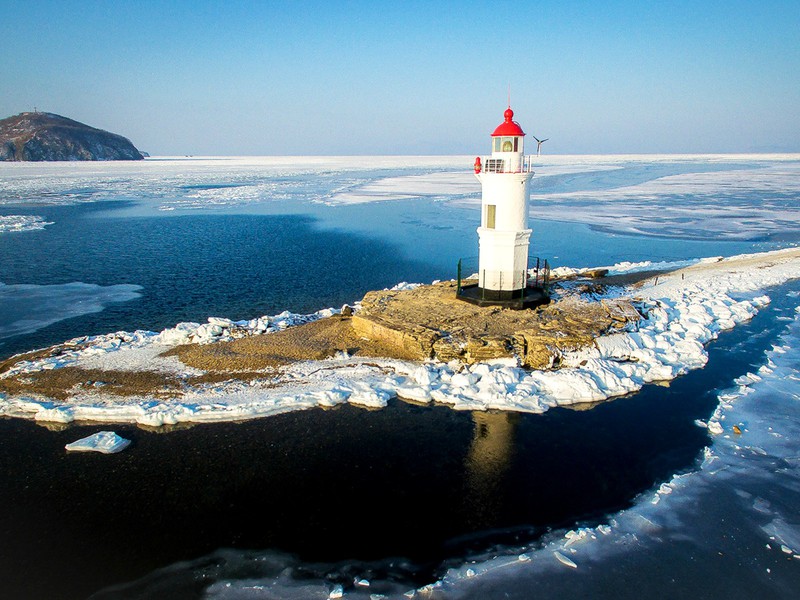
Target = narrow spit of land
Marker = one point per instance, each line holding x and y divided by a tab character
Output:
413	324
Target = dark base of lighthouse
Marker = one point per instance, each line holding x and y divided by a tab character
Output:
529	297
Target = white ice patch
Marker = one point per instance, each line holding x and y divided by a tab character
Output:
26	308
404	286
105	442
14	223
613	192
133	359
181	183
564	560
432	185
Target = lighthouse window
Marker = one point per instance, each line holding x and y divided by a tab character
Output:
516	141
491	210
507	146
497	144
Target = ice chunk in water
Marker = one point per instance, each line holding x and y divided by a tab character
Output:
564	560
106	442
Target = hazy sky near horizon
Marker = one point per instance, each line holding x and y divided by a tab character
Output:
367	77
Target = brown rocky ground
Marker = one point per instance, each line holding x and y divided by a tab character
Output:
311	341
430	322
427	322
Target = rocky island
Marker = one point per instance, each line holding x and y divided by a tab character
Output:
39	136
604	335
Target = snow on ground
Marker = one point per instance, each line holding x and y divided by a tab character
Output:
684	310
625	268
124	351
28	307
12	223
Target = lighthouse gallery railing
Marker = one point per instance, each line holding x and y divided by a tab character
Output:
503	165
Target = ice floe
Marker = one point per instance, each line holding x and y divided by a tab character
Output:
105	442
691	205
197	183
26	308
432	186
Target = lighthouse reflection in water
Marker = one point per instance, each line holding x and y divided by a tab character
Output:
487	464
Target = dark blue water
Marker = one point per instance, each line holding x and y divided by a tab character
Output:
244	265
338	493
195	266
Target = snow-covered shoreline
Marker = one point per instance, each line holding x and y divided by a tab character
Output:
684	310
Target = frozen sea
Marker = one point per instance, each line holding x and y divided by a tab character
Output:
564	504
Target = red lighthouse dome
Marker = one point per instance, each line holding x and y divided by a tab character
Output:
508	127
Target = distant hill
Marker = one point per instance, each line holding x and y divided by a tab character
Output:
44	136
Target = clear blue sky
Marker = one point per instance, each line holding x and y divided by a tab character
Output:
406	77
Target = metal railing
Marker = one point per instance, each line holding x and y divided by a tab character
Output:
536	277
504	165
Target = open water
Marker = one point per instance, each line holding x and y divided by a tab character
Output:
343	490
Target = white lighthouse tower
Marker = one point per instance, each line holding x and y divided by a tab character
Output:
504	236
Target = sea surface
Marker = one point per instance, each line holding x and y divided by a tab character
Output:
395	496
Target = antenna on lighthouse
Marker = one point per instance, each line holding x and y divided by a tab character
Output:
539	144
509	94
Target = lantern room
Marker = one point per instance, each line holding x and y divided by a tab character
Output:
507	137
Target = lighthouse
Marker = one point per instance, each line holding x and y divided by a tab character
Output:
504	235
